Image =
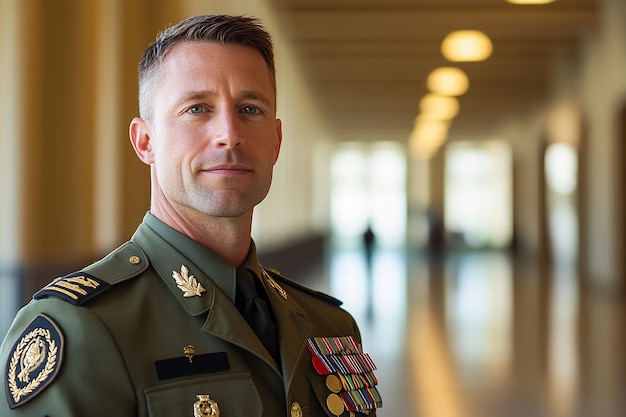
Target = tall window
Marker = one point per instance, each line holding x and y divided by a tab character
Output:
478	194
561	167
368	183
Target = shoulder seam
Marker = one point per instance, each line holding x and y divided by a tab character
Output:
123	263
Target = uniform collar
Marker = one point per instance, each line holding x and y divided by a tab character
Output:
217	269
171	252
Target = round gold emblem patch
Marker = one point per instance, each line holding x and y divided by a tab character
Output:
34	361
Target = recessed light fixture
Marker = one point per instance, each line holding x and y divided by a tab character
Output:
437	107
448	81
530	1
466	46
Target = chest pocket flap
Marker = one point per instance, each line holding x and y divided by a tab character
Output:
234	396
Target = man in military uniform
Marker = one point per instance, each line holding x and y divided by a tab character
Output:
165	325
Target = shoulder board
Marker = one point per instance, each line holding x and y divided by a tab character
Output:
77	288
325	297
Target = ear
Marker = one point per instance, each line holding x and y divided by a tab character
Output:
141	134
279	138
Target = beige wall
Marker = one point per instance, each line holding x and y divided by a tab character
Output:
10	131
599	85
588	89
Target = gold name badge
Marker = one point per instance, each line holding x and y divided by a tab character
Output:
205	407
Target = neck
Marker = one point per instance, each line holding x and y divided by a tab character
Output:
227	237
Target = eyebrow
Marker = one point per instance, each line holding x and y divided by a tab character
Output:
253	95
202	94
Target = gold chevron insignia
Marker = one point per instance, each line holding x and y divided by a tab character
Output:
187	283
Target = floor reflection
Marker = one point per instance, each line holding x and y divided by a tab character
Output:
562	349
478	314
480	335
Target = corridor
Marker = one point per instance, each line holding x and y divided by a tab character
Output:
481	335
529	152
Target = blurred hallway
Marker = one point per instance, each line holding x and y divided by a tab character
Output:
467	334
479	334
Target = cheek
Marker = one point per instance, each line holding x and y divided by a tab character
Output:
171	144
169	161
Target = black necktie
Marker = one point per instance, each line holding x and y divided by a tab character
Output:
256	312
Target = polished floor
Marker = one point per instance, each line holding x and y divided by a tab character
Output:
482	335
474	334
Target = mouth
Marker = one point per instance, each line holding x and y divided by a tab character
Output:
228	169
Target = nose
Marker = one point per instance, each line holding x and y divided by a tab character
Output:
227	130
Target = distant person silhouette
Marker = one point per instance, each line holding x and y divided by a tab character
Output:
369	239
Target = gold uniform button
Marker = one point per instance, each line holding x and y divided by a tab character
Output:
296	410
134	260
333	383
335	404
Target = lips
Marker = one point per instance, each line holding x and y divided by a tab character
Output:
228	169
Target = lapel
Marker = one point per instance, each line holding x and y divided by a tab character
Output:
294	329
225	321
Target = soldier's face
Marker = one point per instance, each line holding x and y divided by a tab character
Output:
214	137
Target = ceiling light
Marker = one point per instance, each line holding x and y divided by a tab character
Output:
432	132
437	107
427	137
466	46
530	1
448	81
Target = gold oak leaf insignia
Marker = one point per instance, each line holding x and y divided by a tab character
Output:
187	283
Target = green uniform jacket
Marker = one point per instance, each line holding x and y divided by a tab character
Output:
114	340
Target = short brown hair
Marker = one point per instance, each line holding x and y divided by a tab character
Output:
224	29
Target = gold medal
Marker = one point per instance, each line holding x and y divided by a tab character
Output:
335	404
333	383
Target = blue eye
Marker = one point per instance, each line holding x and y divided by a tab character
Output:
251	110
195	109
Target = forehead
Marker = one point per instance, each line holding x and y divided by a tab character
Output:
204	59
